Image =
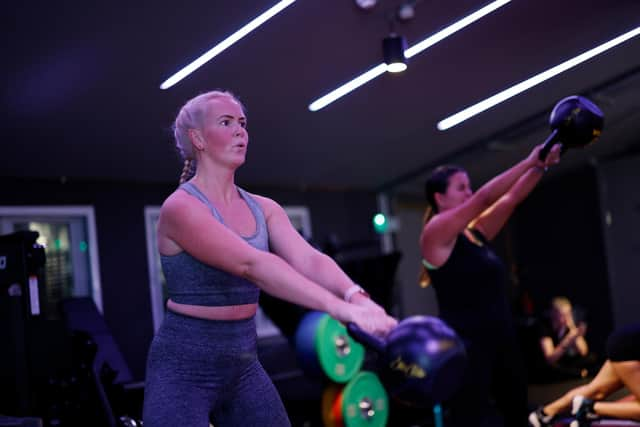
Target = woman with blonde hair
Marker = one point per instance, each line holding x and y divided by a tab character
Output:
563	343
220	247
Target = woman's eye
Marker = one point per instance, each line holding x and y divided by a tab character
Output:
224	122
243	124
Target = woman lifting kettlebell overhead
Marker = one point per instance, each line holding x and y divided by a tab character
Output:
470	279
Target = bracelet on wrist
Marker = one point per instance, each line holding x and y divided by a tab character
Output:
355	289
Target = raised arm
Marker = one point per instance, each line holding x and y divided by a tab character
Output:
439	234
487	209
491	220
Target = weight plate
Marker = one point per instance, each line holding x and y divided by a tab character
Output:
365	402
329	395
340	357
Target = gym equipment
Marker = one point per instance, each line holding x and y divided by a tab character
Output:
323	346
329	396
22	299
575	122
422	360
362	402
113	395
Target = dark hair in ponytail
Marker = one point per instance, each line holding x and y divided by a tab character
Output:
437	182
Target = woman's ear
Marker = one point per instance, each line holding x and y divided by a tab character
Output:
437	197
196	139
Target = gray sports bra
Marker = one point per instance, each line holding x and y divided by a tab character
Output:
190	281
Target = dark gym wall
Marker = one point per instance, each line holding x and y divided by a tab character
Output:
345	214
119	216
619	184
556	236
119	210
411	299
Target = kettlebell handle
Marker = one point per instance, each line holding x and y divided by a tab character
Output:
548	144
368	340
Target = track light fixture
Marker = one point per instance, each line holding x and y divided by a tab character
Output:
407	10
379	69
366	4
393	48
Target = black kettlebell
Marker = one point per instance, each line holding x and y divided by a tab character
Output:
575	122
421	362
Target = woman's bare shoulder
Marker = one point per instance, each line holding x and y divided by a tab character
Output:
267	204
177	200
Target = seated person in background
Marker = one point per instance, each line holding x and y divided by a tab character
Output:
563	344
621	369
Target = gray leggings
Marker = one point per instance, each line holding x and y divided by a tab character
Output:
201	371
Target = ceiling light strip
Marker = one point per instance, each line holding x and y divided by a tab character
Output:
492	101
412	51
348	87
453	28
226	43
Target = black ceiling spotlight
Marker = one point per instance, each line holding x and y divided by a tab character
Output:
393	47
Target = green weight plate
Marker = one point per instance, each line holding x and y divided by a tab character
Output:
365	402
339	355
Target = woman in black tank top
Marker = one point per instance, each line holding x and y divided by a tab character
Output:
469	281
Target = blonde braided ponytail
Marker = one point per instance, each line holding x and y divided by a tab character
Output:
188	170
